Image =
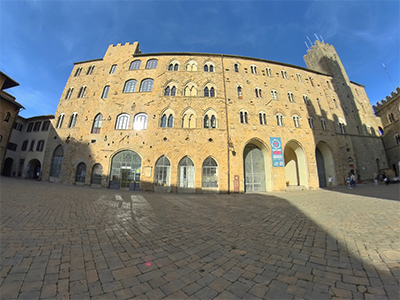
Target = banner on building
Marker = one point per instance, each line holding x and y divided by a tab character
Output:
277	153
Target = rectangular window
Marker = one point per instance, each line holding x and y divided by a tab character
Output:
32	144
12	146
30	126
24	145
45	125
37	126
40	145
18	126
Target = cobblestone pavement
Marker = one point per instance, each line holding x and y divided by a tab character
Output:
68	242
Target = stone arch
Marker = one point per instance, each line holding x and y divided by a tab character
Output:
257	169
296	170
188	118
33	169
125	169
325	164
56	162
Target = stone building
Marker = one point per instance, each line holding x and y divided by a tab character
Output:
389	112
199	122
9	109
28	139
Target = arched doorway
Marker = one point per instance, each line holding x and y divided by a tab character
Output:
295	165
97	174
125	170
56	162
33	169
80	173
186	176
325	164
210	174
254	169
162	175
8	166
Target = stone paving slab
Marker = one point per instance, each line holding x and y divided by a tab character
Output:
67	242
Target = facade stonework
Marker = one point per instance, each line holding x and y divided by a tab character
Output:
191	122
389	112
9	109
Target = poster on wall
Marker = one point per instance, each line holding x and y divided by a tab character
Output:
277	153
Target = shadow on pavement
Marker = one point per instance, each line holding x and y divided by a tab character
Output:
60	241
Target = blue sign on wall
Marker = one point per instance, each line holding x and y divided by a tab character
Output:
277	153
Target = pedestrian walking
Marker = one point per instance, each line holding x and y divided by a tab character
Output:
330	179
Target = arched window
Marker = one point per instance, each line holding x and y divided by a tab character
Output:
342	127
135	65
268	70
212	92
279	119
122	121
239	91
130	86
298	77
164	121
105	92
140	121
305	98
82	92
258	92
78	71
69	93
210	173
206	121
290	96
397	139
56	162
176	67
60	120
80	173
296	122
97	123
90	70
205	68
147	85
263	118
206	92
311	122
173	91
189	119
274	94
170	121
190	90
213	122
162	172
167	91
170	67
73	120
151	64
97	174
211	68
236	66
323	124
253	69
186	173
113	68
191	66
243	117
283	72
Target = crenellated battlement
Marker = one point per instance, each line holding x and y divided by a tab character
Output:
383	102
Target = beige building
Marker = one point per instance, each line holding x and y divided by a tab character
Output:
28	139
389	112
9	109
192	122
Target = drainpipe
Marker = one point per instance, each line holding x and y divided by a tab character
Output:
227	125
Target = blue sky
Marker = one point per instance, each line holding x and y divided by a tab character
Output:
40	40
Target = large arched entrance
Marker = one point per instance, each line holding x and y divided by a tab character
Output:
296	172
255	167
325	164
125	170
33	169
7	166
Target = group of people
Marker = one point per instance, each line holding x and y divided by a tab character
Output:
378	177
351	181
